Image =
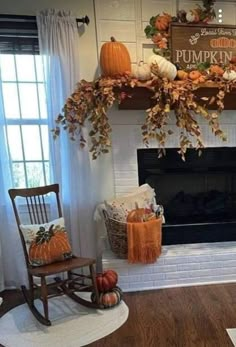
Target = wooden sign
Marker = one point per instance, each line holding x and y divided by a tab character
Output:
192	44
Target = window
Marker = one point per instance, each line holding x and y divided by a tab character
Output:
23	112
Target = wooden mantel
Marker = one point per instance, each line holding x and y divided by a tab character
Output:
140	98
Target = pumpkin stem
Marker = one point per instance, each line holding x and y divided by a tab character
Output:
50	231
113	39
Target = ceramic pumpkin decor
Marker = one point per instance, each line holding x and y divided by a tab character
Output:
49	246
109	299
106	280
162	67
143	72
114	59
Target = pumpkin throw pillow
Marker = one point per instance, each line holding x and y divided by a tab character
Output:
46	243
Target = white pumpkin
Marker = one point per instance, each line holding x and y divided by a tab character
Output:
229	75
162	67
190	17
143	72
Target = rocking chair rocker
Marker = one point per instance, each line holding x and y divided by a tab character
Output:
35	201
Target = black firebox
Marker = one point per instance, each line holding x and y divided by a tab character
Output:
198	194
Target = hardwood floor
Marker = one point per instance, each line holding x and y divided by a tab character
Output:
174	317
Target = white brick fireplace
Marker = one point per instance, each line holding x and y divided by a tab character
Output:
178	265
126	20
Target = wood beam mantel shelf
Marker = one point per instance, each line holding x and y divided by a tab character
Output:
140	98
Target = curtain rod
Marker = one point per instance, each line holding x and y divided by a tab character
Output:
84	20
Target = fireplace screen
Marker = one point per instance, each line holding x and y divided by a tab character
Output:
199	191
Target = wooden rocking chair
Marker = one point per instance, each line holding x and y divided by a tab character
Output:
34	200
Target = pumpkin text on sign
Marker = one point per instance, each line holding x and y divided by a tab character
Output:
192	44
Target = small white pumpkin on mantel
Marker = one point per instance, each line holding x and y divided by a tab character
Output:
229	75
143	71
162	67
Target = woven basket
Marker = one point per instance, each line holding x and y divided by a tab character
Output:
117	236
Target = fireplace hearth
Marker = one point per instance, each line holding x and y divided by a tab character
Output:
198	195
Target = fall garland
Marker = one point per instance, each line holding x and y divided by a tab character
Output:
92	100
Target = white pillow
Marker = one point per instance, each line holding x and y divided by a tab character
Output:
46	243
29	230
141	197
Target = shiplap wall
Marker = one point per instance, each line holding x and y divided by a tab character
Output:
126	20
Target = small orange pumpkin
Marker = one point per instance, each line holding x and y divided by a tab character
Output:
114	59
201	79
136	215
140	215
106	280
182	75
217	70
194	75
233	59
162	23
49	246
109	299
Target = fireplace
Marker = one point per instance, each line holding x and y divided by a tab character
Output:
198	195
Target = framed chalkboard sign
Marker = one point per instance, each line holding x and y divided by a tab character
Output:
192	44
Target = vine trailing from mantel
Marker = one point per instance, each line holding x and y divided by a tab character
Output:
90	102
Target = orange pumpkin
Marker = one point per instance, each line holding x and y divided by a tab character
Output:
136	215
194	75
200	79
182	75
109	299
233	59
49	246
106	280
216	69
162	23
114	59
140	215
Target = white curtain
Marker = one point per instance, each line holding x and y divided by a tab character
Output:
12	262
59	45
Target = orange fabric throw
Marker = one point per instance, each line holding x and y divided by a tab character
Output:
144	241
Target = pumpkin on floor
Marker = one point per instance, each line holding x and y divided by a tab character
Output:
114	59
109	299
106	280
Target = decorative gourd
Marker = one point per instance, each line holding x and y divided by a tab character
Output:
182	75
49	246
162	23
140	215
217	70
143	72
109	299
136	215
114	59
229	75
162	67
106	280
233	59
193	16
194	75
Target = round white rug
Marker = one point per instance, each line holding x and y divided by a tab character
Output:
73	325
